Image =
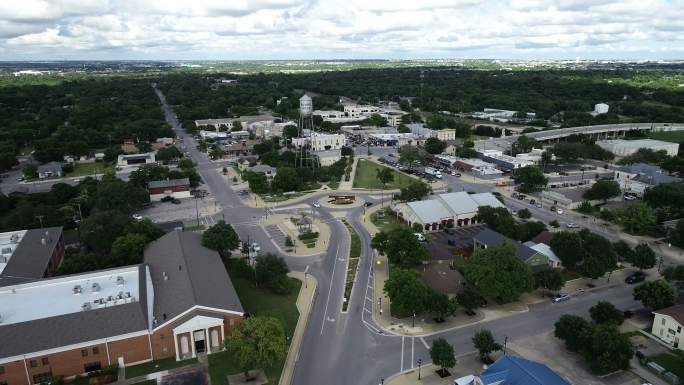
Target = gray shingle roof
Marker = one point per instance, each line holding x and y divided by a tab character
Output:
491	238
52	332
195	276
31	257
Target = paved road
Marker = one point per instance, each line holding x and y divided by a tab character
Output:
348	348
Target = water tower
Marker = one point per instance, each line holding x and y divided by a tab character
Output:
305	105
304	156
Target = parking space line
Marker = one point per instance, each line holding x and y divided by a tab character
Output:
413	339
401	369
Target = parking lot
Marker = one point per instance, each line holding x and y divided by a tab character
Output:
187	209
442	244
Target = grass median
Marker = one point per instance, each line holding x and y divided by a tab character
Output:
366	177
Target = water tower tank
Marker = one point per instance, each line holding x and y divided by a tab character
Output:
305	105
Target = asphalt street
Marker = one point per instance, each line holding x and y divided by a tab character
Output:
349	348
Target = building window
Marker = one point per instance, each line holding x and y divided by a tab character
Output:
45	361
42	378
165	349
662	321
84	353
2	370
92	366
661	332
162	336
96	350
231	322
33	363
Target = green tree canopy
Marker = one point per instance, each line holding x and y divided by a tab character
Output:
99	231
257	342
568	247
607	349
415	191
550	279
603	190
656	294
407	292
484	342
573	330
434	146
643	257
221	237
530	179
442	354
401	247
410	155
498	273
128	249
272	270
605	312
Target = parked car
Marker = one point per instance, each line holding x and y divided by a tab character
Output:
553	208
419	237
532	201
560	297
514	212
175	201
559	211
167	198
539	205
316	205
368	204
496	193
627	314
572	226
137	217
635	277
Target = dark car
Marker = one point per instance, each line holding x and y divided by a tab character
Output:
635	277
368	204
167	199
627	314
496	193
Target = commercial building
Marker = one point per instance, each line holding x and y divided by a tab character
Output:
177	304
668	324
135	159
504	162
175	188
358	111
421	131
621	147
474	165
455	209
510	370
393	116
248	122
392	140
489	238
497	115
637	178
50	170
27	255
321	142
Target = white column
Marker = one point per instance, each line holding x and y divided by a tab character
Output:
207	340
223	336
192	343
176	347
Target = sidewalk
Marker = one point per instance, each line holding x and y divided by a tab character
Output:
304	304
466	364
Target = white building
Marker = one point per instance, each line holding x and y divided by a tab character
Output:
391	140
621	147
601	108
420	130
135	159
360	111
636	178
321	142
668	324
497	115
455	209
393	116
248	122
506	162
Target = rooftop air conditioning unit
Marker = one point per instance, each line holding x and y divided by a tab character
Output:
7	250
14	238
120	281
3	259
96	287
78	289
120	295
86	306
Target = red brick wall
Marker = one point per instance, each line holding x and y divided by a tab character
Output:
15	373
134	349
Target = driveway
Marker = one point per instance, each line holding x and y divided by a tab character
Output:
193	377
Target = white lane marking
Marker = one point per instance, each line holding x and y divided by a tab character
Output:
401	369
366	309
413	340
424	343
327	301
370	299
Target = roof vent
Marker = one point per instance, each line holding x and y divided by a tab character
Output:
86	306
43	241
7	250
96	287
14	238
78	289
166	277
120	281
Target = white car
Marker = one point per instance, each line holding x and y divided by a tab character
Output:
561	297
137	217
572	226
255	247
316	205
559	211
419	236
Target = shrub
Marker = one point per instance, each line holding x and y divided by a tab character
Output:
308	235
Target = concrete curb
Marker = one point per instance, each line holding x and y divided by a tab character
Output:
304	306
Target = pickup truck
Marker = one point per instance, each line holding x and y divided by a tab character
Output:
434	172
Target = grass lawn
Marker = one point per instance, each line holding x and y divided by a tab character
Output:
83	169
670	362
387	223
670	136
366	172
156	366
258	302
354	255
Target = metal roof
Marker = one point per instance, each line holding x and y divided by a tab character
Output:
486	199
31	257
169	183
429	211
509	370
459	202
185	274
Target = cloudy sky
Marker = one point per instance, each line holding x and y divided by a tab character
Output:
355	29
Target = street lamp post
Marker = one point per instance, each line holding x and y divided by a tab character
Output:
413	322
420	363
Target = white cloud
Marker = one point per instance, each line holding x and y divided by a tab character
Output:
235	29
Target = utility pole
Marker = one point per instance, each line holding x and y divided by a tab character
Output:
40	218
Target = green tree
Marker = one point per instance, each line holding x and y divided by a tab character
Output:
385	175
442	354
100	229
554	223
603	190
607	350
656	294
643	257
530	179
498	219
524	144
128	249
469	299
115	194
568	247
498	273
637	218
401	247
407	292
290	131
272	270
377	120
550	279
677	234
146	228
216	153
168	153
441	306
434	146
409	155
236	126
485	344
605	312
222	238
524	214
623	251
415	191
573	330
257	342
30	171
286	180
599	257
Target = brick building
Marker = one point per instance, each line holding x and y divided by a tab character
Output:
178	303
30	254
176	188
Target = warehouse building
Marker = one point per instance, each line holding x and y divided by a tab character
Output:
455	209
179	303
621	147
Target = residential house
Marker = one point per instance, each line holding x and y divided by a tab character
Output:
489	238
50	170
668	324
636	178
